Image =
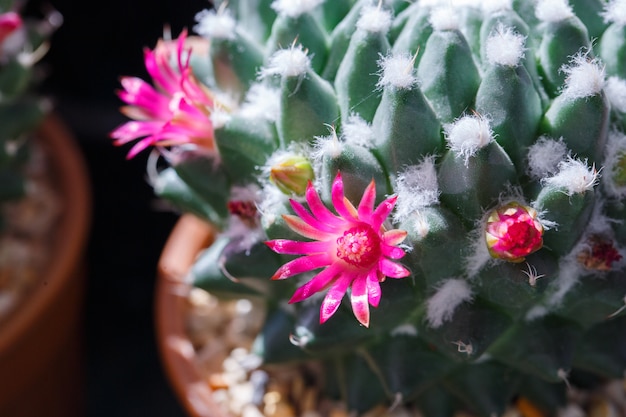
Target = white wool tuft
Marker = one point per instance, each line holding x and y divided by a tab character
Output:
491	6
456	3
575	176
289	62
397	70
615	150
585	77
544	157
420	223
357	131
417	187
444	18
440	307
569	274
615	12
220	118
272	200
479	254
536	312
468	134
215	24
404	330
295	8
553	10
261	101
327	146
374	19
615	90
505	47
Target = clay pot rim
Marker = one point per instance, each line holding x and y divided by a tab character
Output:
188	237
73	229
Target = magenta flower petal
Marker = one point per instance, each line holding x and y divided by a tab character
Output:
318	208
360	301
383	210
333	298
309	218
366	206
292	247
319	283
392	269
303	264
340	202
373	289
353	247
392	252
301	227
176	107
394	237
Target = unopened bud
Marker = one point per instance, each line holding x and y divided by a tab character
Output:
513	232
292	174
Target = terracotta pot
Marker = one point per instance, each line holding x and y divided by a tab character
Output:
189	236
40	343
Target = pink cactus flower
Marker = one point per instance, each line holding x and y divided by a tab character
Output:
9	23
353	248
513	232
175	111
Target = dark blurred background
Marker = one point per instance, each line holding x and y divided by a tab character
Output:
97	43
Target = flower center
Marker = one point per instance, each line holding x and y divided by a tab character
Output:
521	238
601	254
359	246
246	210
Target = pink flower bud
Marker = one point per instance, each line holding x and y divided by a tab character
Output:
513	232
9	23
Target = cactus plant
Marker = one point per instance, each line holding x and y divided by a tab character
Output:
28	203
429	195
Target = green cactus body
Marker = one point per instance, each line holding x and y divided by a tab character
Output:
453	177
22	108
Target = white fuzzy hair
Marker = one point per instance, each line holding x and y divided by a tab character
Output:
615	150
214	24
505	47
574	175
417	187
261	101
374	19
356	131
397	70
288	62
615	12
444	17
553	10
491	6
449	295
544	157
615	89
295	8
468	134
585	77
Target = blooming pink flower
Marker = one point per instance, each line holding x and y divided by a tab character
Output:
175	111
9	23
353	247
513	232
